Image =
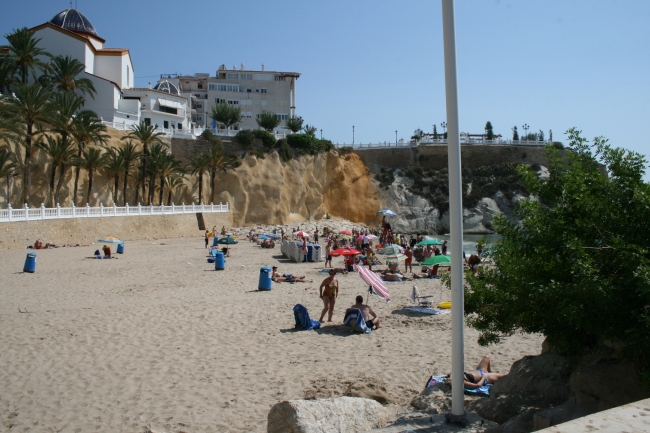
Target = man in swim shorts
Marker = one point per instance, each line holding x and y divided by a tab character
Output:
373	323
287	278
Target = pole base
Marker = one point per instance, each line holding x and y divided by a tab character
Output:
460	420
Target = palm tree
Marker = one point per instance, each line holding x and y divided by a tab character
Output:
91	160
268	120
294	124
64	108
129	155
63	72
226	114
199	165
168	168
86	128
29	108
147	136
114	166
7	69
7	167
24	53
173	182
218	161
59	149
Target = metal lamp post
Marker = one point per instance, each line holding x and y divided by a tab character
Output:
457	414
525	128
444	128
321	134
352	134
396	137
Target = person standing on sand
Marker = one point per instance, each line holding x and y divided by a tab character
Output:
373	323
408	263
328	253
316	236
207	238
329	291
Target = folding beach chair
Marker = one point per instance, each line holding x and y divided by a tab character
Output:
355	321
422	301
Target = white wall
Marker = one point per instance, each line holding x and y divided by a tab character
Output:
58	43
106	100
111	68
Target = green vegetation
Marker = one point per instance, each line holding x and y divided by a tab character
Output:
268	120
577	267
489	131
294	124
226	114
385	177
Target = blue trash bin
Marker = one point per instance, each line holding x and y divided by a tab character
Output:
120	248
215	241
30	263
219	261
266	283
310	253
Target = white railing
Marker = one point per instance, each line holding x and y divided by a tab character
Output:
43	213
443	141
172	132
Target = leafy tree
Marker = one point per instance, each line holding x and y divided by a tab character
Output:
86	128
515	134
91	160
7	167
489	131
164	166
7	78
540	135
293	124
268	120
113	167
199	165
147	136
130	156
435	132
244	137
577	267
24	53
64	108
30	108
310	130
63	72
226	114
60	150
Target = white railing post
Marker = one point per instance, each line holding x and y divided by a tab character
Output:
58	210
202	207
42	211
87	210
10	212
173	208
139	209
126	208
26	211
74	210
183	207
212	207
101	209
151	208
114	209
162	208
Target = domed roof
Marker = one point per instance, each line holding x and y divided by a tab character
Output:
75	21
167	87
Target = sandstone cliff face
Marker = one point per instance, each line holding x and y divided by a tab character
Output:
269	191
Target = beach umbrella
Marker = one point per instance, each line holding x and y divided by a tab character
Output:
392	249
436	260
274	236
387	212
345	232
370	237
302	234
430	242
395	257
228	241
110	240
348	237
376	285
345	252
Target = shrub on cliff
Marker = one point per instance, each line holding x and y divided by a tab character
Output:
577	267
284	150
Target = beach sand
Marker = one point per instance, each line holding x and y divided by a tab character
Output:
158	339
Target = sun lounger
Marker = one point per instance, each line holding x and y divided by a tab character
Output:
422	301
355	321
303	321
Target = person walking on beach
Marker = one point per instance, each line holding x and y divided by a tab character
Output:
207	238
328	254
329	291
408	263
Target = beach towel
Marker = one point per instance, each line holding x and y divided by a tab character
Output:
354	319
303	321
483	391
426	310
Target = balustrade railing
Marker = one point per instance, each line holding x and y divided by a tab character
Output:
442	141
43	213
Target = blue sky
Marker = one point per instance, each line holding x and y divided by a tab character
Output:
378	65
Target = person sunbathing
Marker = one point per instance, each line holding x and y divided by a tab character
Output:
338	270
427	273
288	278
481	376
395	276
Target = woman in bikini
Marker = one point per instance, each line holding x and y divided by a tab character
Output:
329	291
481	376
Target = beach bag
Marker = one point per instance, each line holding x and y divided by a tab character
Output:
303	321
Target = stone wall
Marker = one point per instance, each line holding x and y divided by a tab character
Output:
17	235
435	156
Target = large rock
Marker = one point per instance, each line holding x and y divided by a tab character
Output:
333	415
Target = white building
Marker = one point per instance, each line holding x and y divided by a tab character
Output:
111	71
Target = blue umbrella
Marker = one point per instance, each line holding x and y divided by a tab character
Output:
387	212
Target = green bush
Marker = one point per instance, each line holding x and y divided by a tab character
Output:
577	267
558	145
244	137
258	152
284	150
267	139
344	150
300	141
385	177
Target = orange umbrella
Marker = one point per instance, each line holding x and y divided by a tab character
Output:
345	232
345	252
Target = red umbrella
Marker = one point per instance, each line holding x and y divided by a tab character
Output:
302	234
345	252
345	232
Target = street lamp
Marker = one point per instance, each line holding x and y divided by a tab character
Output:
321	134
396	137
525	128
352	134
444	128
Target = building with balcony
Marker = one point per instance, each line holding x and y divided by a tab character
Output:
253	91
162	106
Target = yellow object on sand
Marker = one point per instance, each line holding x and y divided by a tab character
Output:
444	305
210	234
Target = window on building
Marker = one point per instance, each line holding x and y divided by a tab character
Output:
224	87
219	100
262	90
263	77
147	121
233	76
246	76
200	86
249	90
166	124
168	110
233	102
246	102
180	126
282	116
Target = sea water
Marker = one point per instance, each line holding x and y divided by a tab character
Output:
469	241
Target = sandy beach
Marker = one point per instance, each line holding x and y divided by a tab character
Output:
158	339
